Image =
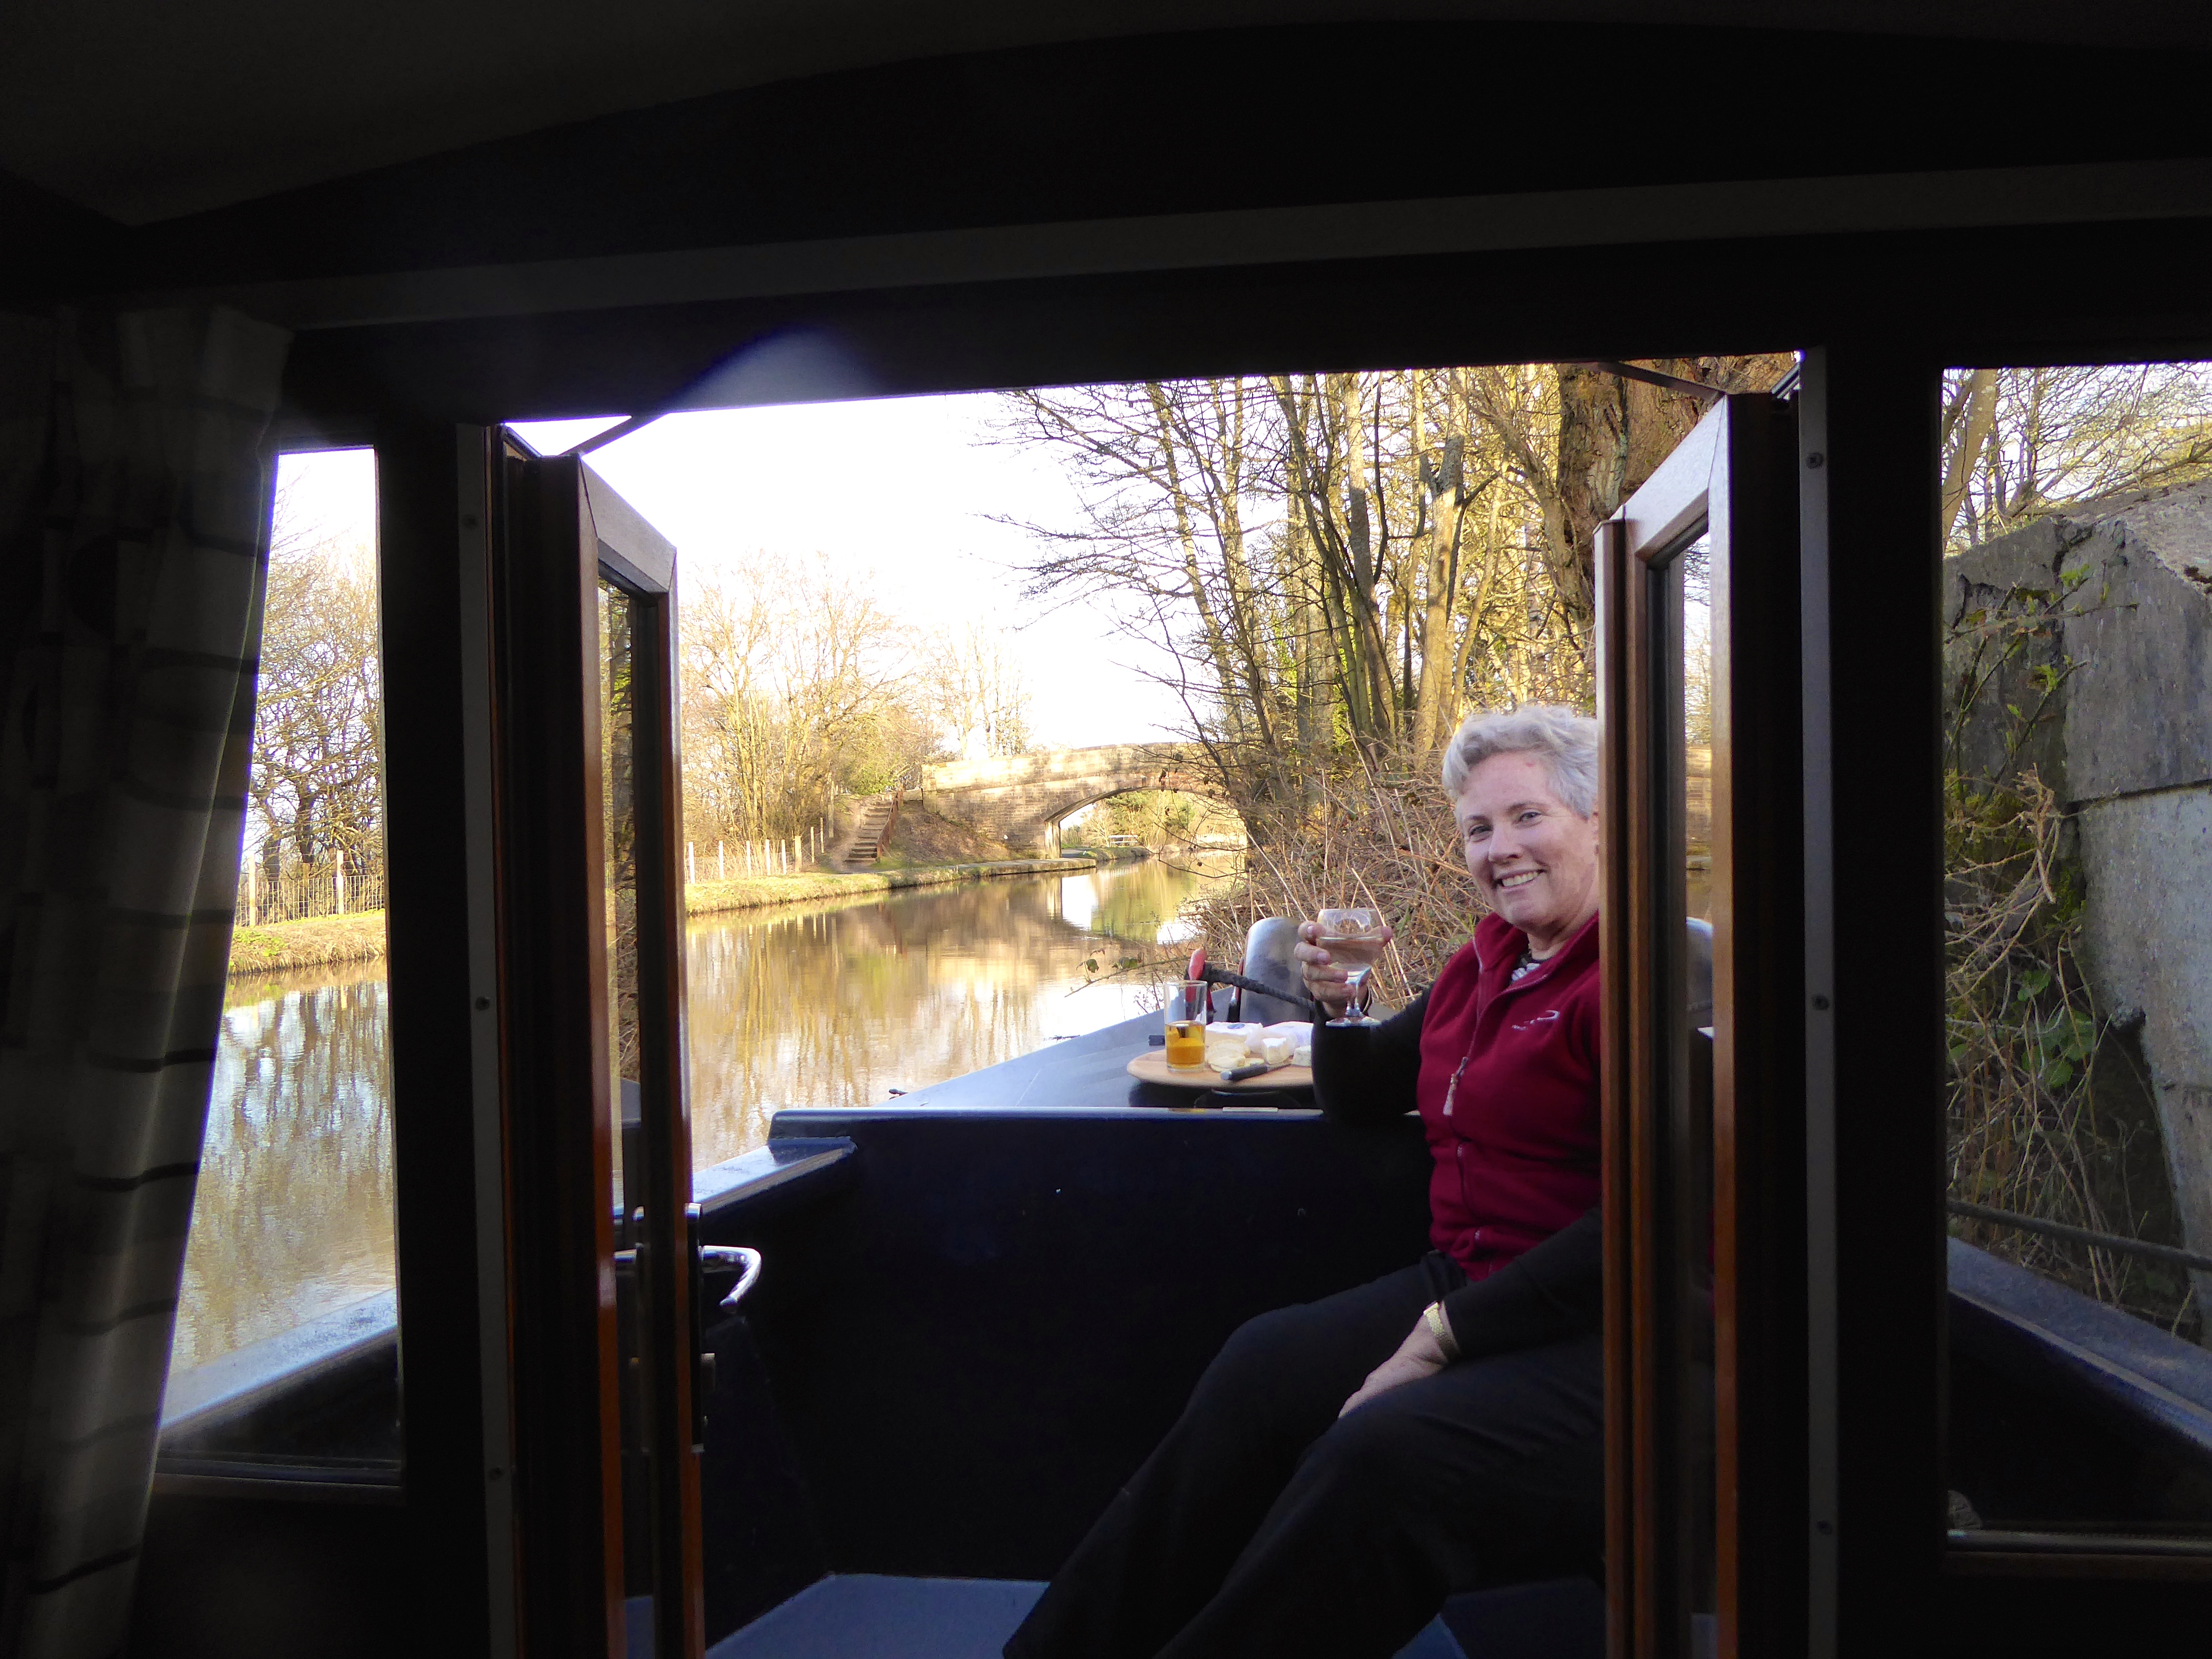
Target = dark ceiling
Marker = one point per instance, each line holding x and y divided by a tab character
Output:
1456	185
143	110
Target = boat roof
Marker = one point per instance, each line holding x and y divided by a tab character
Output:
147	110
503	211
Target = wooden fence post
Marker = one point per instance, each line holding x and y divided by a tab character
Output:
721	869
337	882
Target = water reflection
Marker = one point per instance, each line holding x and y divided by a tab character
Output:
293	1214
828	1005
838	1005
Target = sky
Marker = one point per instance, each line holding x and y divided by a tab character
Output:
901	488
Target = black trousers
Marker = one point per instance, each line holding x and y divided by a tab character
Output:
1265	1525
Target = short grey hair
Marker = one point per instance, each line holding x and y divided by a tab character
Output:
1567	741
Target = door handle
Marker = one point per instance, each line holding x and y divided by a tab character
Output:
744	1261
747	1262
740	1259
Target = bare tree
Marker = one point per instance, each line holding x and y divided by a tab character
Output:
976	691
1343	562
793	688
2019	444
316	783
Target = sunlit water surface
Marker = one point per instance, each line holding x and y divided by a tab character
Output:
835	1003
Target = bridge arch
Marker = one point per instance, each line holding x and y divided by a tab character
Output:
1020	799
1180	782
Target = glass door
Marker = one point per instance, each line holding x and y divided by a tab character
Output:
605	1287
1702	952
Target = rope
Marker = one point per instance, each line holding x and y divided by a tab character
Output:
1223	976
2028	1223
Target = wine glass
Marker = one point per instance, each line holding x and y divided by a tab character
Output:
1353	936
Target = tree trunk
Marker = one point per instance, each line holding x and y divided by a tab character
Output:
1613	433
1970	416
1368	642
1593	454
1217	646
1435	704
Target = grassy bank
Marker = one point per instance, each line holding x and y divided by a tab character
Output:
322	941
750	892
314	942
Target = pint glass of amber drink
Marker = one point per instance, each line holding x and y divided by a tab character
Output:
1186	1020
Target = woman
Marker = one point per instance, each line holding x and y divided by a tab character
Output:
1345	1465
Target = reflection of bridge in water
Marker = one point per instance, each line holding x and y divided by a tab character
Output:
1020	799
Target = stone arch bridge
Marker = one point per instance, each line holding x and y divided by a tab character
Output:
1021	798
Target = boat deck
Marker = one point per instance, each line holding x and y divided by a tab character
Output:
877	1616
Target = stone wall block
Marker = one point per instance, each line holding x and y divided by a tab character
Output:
2139	705
2148	938
2128	748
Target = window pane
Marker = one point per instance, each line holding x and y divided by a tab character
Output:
2078	795
286	1353
1697	725
1690	769
618	830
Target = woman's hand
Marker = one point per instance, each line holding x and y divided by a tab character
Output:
1324	979
1417	1356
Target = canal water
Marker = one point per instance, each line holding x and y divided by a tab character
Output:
834	1004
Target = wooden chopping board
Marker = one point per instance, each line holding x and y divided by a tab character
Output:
1151	1066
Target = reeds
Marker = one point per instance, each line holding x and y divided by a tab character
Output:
1377	833
2028	1048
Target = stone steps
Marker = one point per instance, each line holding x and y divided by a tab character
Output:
862	844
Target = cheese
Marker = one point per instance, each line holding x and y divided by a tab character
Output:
1298	1034
1232	1043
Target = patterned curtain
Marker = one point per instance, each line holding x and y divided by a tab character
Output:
134	506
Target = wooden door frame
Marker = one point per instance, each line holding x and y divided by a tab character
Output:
554	1077
1734	477
561	530
639	561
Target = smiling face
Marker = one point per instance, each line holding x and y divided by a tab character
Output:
1535	859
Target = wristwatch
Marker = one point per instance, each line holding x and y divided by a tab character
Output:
1440	1328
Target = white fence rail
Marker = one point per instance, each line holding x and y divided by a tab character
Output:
342	884
725	860
350	882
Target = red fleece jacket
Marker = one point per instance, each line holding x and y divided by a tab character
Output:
1515	1141
1513	1195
